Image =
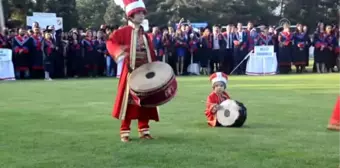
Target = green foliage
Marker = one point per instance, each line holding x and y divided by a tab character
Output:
92	13
114	14
65	9
311	11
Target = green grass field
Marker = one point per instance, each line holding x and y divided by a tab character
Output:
68	124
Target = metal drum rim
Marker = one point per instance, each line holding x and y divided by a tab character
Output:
156	88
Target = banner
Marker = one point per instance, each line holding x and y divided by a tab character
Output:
45	21
196	25
5	54
6	65
262	62
145	25
264	50
41	14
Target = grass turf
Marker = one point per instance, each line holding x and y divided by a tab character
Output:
67	124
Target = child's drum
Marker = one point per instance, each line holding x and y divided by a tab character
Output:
154	83
231	114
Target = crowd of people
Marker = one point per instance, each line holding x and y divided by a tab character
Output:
48	53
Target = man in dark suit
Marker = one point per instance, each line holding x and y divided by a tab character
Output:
218	52
228	61
59	61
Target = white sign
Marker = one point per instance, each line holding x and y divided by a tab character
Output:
264	50
262	62
6	65
145	25
45	21
5	54
41	14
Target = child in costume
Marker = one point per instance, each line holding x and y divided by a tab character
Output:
219	82
131	36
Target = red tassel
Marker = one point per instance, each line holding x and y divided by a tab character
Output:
318	44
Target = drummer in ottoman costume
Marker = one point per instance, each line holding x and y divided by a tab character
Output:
219	82
131	44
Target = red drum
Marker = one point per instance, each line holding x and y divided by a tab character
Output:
154	83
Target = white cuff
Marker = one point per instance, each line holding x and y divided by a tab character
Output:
120	59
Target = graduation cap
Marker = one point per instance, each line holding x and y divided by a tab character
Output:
103	26
30	31
35	25
74	31
217	25
89	29
263	27
48	29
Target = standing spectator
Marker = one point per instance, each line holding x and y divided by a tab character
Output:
22	47
206	44
181	47
319	49
89	54
228	60
75	56
37	53
299	46
49	50
285	49
240	49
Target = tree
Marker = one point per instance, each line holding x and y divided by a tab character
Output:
114	14
65	9
16	11
91	12
310	11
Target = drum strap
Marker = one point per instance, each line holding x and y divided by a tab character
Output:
134	37
133	47
147	48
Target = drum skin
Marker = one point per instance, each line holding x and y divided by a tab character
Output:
242	117
156	89
232	114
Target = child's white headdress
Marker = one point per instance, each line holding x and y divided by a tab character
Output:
219	77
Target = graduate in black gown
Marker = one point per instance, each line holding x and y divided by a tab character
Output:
265	38
89	54
37	54
319	41
274	34
100	47
206	48
49	54
285	40
75	56
22	48
299	48
331	43
307	46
